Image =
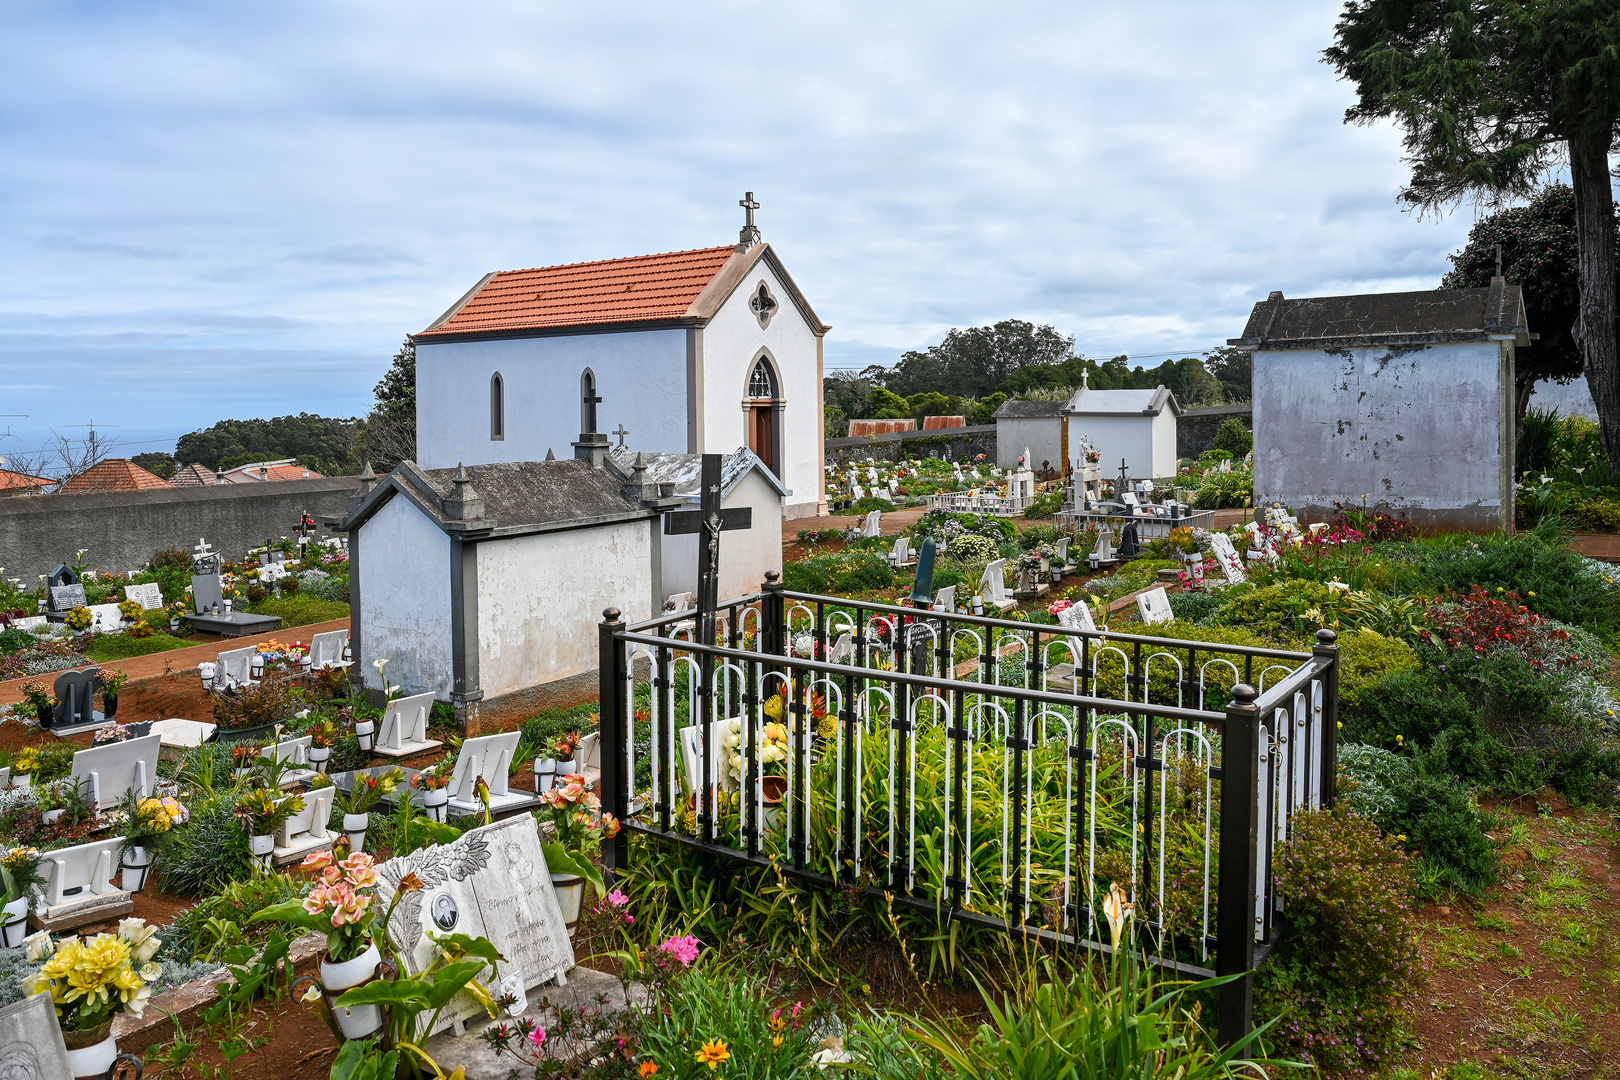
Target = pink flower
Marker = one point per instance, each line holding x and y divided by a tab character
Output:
331	875
360	869
347	905
617	898
315	902
538	1037
684	949
316	861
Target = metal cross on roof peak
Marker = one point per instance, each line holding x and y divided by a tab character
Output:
620	432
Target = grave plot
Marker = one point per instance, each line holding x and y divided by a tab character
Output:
968	786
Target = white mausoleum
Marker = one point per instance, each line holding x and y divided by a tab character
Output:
1136	425
686	353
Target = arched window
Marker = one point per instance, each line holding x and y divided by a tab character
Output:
588	401
497	408
762	383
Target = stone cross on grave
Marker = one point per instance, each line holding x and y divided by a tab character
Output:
621	433
708	522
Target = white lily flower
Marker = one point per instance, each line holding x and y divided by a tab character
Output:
1118	911
150	971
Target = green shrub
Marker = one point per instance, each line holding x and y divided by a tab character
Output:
847	571
870	503
1195	607
1439	818
1553	581
1339	983
1365	657
972	549
14	640
1279	612
1233	437
208	854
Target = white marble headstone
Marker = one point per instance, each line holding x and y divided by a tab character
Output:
1154	606
31	1046
1227	557
149	595
77	874
493	883
105	773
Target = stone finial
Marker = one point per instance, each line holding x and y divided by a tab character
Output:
638	471
550	454
464	504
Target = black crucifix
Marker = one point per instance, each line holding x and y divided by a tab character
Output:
708	522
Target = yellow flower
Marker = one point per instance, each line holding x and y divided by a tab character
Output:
712	1054
776	1042
1531	594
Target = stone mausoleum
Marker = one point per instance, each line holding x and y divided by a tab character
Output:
1401	399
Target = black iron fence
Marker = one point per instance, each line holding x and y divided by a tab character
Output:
993	771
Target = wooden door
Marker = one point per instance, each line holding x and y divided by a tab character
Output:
762	435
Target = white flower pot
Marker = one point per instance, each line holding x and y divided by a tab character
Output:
136	864
362	1020
26	780
354	827
364	732
51	817
94	1060
434	800
545	774
262	845
318	756
570	889
16	922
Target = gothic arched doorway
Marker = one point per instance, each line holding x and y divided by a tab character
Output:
763	406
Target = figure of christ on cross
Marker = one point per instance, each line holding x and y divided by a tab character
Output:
709	521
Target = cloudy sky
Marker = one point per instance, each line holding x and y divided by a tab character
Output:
229	210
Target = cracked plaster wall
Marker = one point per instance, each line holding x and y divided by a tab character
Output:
1421	428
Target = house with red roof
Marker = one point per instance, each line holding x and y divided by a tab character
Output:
114	474
21	483
285	469
686	352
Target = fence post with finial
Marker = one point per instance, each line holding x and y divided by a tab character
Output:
1235	914
614	737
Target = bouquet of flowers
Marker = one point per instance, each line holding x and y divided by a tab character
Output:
435	776
25	762
260	813
369	788
38	697
565	746
151	817
772	749
78	619
91	981
571	809
131	610
338	904
112	733
323	734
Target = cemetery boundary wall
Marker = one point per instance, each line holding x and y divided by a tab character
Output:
1196	428
952	444
120	530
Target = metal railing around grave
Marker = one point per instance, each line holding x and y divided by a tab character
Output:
998	772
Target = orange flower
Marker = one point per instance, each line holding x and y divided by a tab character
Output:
648	1068
712	1054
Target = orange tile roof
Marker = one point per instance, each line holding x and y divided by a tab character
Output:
194	475
10	480
284	470
114	474
638	289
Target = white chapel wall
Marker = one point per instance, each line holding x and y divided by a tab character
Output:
540	598
1421	428
640	376
405	600
730	342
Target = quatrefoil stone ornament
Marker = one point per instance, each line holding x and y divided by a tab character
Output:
762	304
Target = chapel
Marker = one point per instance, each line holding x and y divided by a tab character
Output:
688	352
